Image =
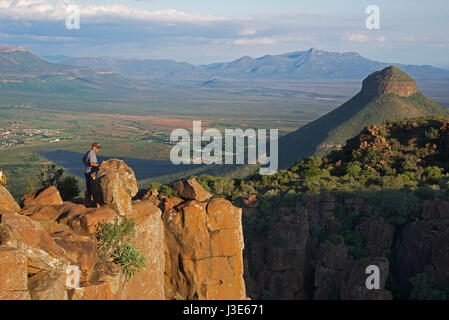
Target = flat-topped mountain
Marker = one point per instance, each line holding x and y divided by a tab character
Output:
389	80
390	94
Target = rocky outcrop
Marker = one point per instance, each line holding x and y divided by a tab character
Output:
280	259
424	246
191	190
302	254
332	263
45	197
48	285
7	202
353	286
114	185
13	271
370	137
204	251
389	80
150	241
194	251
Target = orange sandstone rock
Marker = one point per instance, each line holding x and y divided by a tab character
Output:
7	202
48	196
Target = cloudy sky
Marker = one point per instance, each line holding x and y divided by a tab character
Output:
205	31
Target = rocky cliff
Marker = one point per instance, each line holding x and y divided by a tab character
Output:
302	254
389	80
193	249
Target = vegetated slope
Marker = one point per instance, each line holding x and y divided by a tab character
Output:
386	95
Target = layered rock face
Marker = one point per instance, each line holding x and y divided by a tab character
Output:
301	254
204	251
193	251
389	80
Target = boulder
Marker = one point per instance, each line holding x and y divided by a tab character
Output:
250	206
191	190
152	195
149	239
47	216
45	197
34	242
114	185
87	222
107	271
168	203
79	250
204	251
250	201
13	275
7	202
48	285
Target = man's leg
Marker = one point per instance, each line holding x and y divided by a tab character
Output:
88	193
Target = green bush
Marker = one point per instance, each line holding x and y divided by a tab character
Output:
68	188
50	176
114	245
425	289
163	189
432	133
129	259
432	175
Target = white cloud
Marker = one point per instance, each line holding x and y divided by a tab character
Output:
54	11
255	41
356	38
362	38
248	32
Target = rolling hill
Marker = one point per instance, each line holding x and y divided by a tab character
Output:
390	94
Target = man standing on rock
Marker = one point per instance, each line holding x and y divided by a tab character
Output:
91	163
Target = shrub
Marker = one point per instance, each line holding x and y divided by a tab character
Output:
114	245
163	189
50	176
432	175
68	188
129	259
432	133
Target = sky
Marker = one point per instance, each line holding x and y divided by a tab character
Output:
207	31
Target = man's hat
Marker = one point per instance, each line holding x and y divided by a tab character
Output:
96	145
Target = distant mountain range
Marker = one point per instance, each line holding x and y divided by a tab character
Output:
390	94
19	68
300	65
